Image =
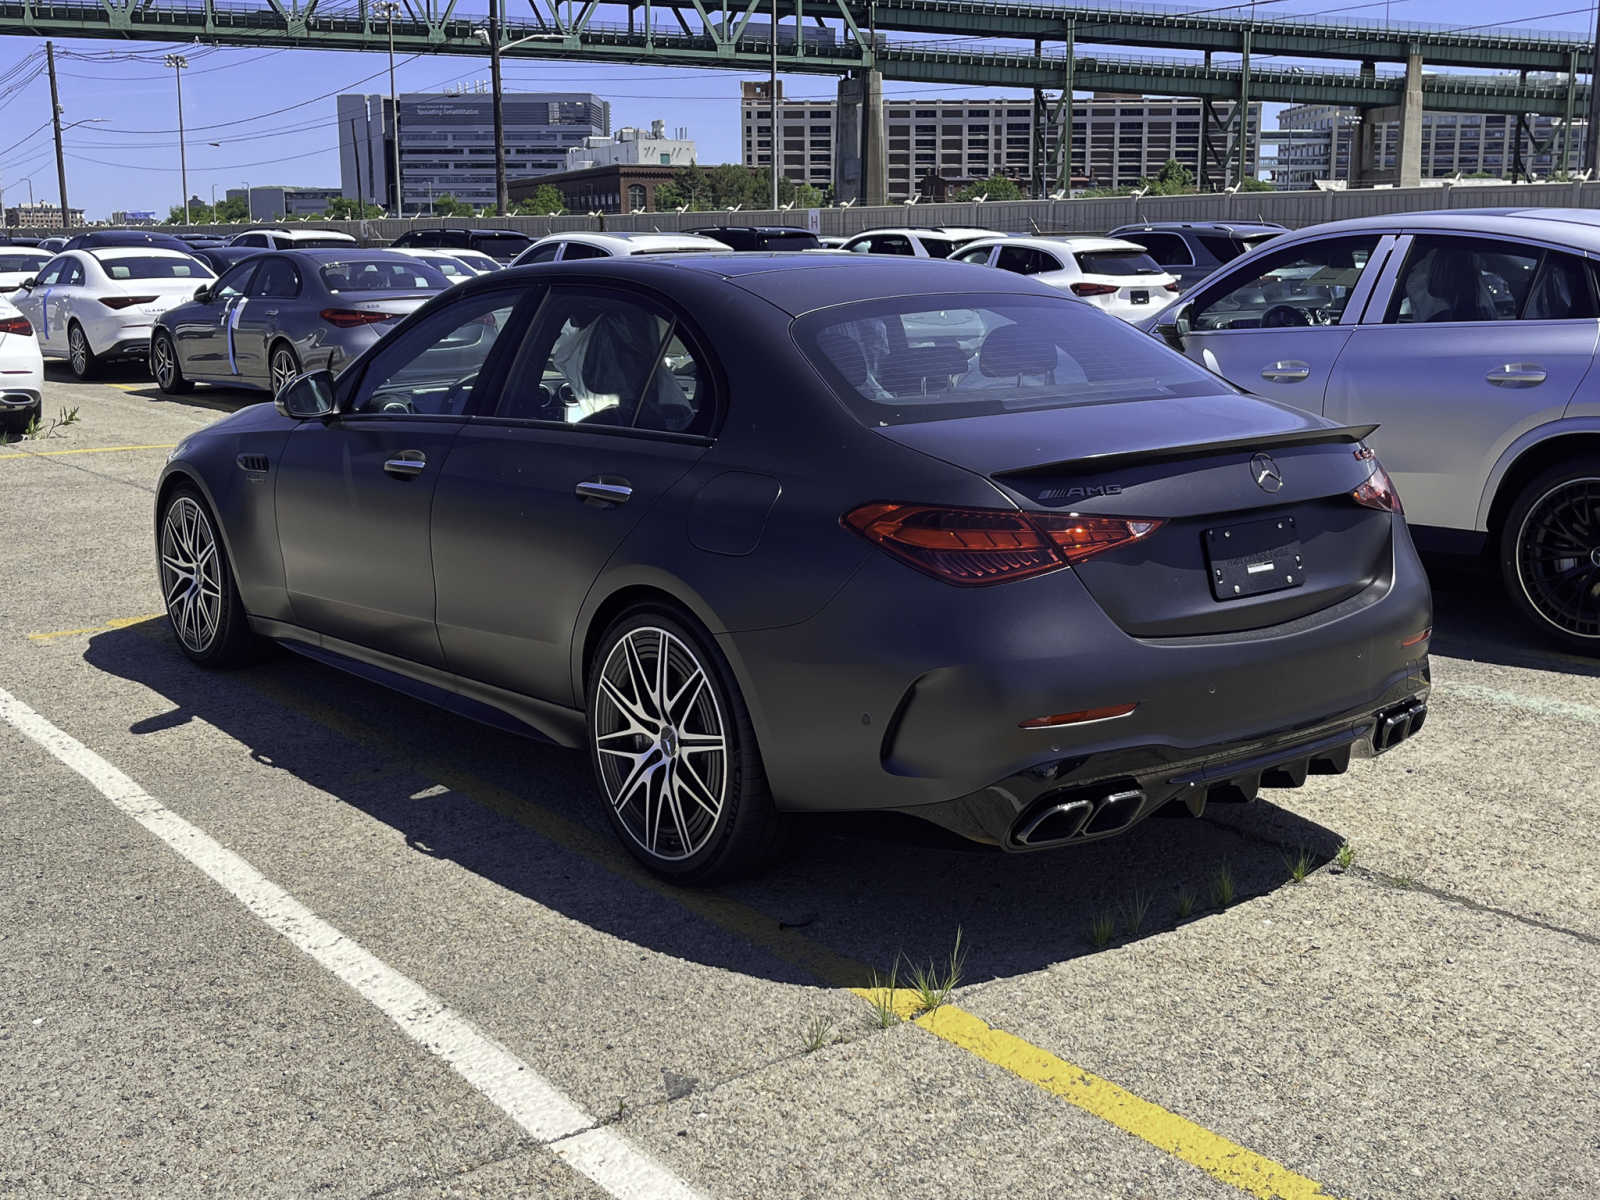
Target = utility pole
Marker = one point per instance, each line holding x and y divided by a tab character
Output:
502	198
388	10
178	62
772	100
55	117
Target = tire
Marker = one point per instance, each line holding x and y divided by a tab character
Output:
712	816
80	356
165	368
1550	554
284	357
197	584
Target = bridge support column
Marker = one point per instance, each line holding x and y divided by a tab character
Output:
1063	170
860	161
1408	159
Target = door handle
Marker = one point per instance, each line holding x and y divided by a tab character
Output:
1517	375
1288	371
605	490
407	464
270	312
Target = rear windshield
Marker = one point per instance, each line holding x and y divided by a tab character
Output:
1117	262
374	275
131	266
901	361
22	262
797	239
501	245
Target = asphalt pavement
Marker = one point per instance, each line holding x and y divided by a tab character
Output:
279	932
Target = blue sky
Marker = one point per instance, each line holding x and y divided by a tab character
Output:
129	160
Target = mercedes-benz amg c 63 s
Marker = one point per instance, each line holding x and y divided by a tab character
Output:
767	534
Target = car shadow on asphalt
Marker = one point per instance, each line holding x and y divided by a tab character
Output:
871	892
133	378
1473	619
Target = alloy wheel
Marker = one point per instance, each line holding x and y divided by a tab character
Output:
660	743
1558	556
284	369
191	575
161	356
77	350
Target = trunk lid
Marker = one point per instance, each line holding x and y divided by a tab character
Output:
1232	554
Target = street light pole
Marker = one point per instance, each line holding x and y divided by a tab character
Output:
501	197
55	117
772	99
388	10
178	62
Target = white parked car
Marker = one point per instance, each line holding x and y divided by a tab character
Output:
88	306
568	246
18	264
452	266
935	241
1117	276
21	371
293	239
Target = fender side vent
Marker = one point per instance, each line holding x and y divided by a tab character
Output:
254	464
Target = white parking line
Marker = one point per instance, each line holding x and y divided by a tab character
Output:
600	1153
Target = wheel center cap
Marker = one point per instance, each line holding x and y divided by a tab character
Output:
669	742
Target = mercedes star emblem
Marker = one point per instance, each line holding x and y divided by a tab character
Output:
1265	472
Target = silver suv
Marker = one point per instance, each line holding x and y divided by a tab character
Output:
1468	339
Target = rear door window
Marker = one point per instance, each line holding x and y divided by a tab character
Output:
577	250
1563	290
1451	279
1025	260
1222	247
276	279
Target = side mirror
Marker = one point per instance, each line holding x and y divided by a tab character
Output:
307	397
29	284
1174	331
203	294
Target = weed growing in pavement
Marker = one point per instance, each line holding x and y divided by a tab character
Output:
37	432
1222	888
31	430
1346	856
1299	866
933	983
1186	902
883	996
1404	881
817	1033
1102	929
1134	911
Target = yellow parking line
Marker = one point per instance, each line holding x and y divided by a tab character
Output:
89	450
114	623
1217	1156
132	387
1224	1160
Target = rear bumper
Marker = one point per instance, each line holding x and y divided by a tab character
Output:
19	402
907	694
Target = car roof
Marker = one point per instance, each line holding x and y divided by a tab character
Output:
1579	228
687	241
1244	227
941	230
107	253
751	229
795	283
329	254
1066	241
295	233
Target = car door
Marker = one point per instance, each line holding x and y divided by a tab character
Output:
202	331
34	304
354	494
1474	342
1277	324
67	295
608	404
257	319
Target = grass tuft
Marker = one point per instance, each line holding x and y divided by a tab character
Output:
1222	886
934	982
1299	865
883	993
1345	856
1102	929
816	1033
1186	902
1134	910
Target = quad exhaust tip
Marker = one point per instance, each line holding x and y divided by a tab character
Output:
1395	725
1078	814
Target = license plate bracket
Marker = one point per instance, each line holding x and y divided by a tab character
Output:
1139	297
1253	558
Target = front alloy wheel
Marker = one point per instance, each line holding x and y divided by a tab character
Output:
285	367
197	582
674	753
1550	554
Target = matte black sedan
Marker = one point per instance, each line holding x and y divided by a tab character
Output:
776	533
277	313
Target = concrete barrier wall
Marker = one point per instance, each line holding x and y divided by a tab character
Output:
1294	209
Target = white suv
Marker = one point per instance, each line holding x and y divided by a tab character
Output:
936	241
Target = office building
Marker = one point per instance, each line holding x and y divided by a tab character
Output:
613	188
1116	140
275	203
1315	141
632	147
447	142
42	215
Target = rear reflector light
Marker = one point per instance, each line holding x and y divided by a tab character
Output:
16	325
349	318
126	301
1416	639
1171	287
1109	713
1093	289
1378	492
973	546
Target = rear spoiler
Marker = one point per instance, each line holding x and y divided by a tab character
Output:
1098	462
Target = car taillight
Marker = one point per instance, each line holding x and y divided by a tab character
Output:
1093	289
1378	492
18	324
126	301
1171	287
973	546
349	318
